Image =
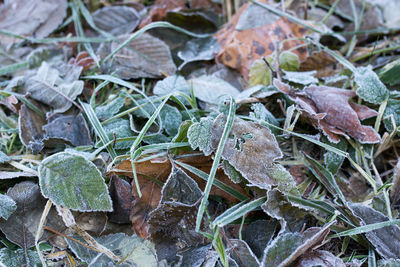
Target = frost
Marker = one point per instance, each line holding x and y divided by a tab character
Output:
392	109
104	112
173	84
370	88
16	258
3	157
116	19
73	182
199	135
7	206
119	128
171	119
211	89
304	78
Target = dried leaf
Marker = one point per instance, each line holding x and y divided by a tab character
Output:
211	89
386	240
73	182
22	224
121	195
31	18
370	88
242	254
7	206
192	257
116	20
320	61
258	234
199	135
30	129
319	258
49	88
286	248
395	191
249	142
198	50
304	78
144	57
71	129
197	21
134	250
243	39
160	8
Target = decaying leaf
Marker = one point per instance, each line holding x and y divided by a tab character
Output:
31	18
21	226
319	258
193	257
49	88
242	253
116	20
395	192
304	78
288	247
248	143
329	109
160	8
134	250
386	240
144	57
197	50
73	182
258	234
253	33
121	195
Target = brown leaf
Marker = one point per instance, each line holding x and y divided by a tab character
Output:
241	47
395	192
30	129
121	195
319	258
320	61
160	8
329	109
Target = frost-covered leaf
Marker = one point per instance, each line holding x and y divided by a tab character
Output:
319	258
171	84
144	57
370	88
392	109
30	125
304	78
71	181
258	234
134	250
31	18
260	73
231	172
180	188
332	160
7	206
199	135
289	61
211	89
116	20
287	247
193	257
386	240
171	119
389	73
71	129
3	157
248	143
49	88
21	226
121	195
17	258
242	253
389	263
288	214
106	111
120	128
198	49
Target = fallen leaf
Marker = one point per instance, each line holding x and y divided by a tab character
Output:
386	240
320	61
31	18
370	88
116	20
242	254
253	33
258	234
73	182
7	207
172	84
289	61
152	53
16	258
199	135
192	19
193	257
121	196
198	50
304	78
106	111
319	258
159	9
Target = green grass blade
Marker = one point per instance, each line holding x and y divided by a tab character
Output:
217	183
366	228
13	67
217	158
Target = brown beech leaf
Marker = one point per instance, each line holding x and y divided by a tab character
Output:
320	61
253	33
329	109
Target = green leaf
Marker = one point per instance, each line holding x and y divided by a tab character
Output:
211	89
289	61
7	206
48	87
173	84
171	119
134	250
389	74
16	258
260	73
392	108
199	135
370	88
121	128
105	112
304	77
334	161
281	248
71	181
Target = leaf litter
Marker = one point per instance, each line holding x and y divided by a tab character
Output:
90	90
